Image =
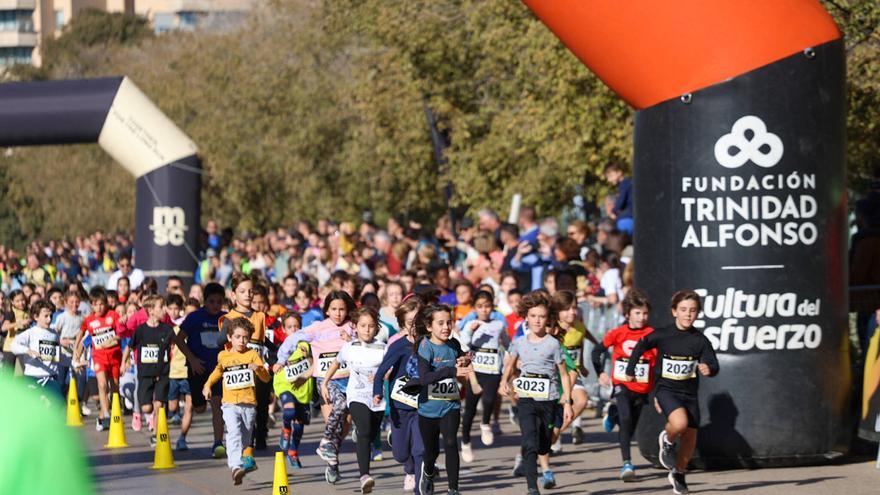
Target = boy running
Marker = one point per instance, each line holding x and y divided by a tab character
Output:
39	349
104	326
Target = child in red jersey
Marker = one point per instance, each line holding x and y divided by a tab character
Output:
104	327
630	396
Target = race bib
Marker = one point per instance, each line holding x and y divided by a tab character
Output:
296	369
486	361
149	354
532	385
50	350
209	339
325	360
238	377
399	395
446	389
257	346
105	339
643	370
679	368
575	353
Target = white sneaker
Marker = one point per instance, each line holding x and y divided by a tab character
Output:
409	482
467	454
557	446
84	409
486	435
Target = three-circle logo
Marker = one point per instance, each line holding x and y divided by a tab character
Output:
749	149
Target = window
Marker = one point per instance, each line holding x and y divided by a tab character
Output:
189	20
163	23
15	55
59	19
17	20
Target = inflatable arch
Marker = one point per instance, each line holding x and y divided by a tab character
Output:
739	194
114	113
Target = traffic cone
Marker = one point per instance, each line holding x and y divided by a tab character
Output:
163	458
279	486
74	417
117	429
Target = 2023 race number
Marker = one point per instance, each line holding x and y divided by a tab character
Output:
679	369
325	360
50	351
532	385
446	389
238	377
486	361
296	369
149	354
399	395
643	371
104	339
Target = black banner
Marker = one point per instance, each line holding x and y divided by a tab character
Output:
740	196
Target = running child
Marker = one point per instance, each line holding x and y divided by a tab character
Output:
178	384
362	357
237	367
487	339
104	327
294	387
542	364
629	397
682	350
39	349
400	366
441	365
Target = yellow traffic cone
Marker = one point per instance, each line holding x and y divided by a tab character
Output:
279	486
117	429
74	418
163	458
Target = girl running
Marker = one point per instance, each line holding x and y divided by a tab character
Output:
441	364
400	366
629	397
486	338
362	357
542	364
682	350
294	387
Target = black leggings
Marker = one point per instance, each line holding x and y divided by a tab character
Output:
489	395
367	422
431	429
629	408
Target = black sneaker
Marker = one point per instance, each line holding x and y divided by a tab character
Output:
667	451
533	491
679	485
426	484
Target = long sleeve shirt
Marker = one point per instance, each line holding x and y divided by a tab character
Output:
396	357
46	343
678	354
238	380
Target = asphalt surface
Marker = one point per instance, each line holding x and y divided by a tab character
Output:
591	467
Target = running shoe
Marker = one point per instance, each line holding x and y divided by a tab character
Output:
331	474
367	483
409	483
577	435
106	423
248	463
609	419
548	480
496	429
426	484
175	419
467	453
153	441
293	459
511	415
556	448
237	476
326	453
218	451
181	444
284	439
667	451
377	455
85	410
628	472
151	422
679	485
99	424
518	470
136	423
486	435
533	491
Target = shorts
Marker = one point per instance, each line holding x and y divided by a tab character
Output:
150	388
670	401
197	383
107	361
178	387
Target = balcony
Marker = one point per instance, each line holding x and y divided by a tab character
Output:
10	39
207	5
18	4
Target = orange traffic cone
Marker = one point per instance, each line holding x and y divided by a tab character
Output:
163	458
117	429
74	417
279	486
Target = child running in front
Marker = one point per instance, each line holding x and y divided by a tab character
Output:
441	365
682	351
629	397
40	352
294	387
542	363
362	357
487	338
237	368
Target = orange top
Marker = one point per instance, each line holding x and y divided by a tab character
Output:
649	51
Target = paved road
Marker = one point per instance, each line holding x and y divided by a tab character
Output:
588	468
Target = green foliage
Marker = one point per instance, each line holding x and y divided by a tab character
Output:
317	109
